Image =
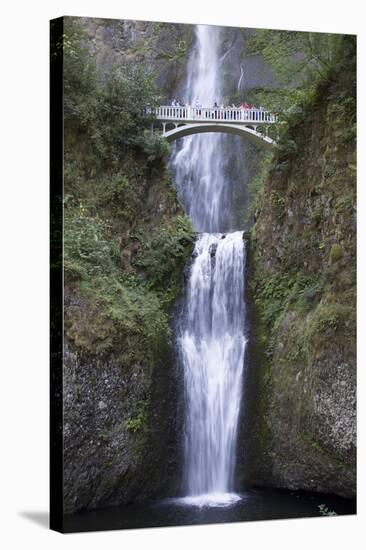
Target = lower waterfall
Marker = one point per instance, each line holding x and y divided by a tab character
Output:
212	343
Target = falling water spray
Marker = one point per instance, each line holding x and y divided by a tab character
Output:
212	326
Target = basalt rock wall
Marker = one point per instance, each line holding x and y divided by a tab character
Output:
303	299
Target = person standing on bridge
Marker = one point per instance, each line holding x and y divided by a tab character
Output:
182	104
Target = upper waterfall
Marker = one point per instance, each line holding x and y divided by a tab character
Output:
199	164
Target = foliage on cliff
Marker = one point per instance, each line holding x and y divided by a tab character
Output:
300	61
295	54
126	239
304	286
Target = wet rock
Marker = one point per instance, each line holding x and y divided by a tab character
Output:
304	294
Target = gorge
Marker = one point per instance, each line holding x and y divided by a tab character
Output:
209	289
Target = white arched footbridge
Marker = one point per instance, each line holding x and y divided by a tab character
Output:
178	122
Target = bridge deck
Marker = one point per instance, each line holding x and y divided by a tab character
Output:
233	115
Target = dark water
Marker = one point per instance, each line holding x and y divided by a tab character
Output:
254	505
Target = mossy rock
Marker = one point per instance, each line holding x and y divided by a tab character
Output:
329	318
336	253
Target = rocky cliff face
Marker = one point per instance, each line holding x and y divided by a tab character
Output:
120	393
126	244
118	435
303	291
161	47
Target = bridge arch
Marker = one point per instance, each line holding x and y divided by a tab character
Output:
169	126
240	130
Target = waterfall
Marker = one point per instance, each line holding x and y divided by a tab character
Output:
213	345
240	78
211	332
199	164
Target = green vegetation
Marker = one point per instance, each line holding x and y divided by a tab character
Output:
126	240
286	290
137	422
255	188
281	293
328	318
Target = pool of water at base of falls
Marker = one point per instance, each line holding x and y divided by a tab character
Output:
252	505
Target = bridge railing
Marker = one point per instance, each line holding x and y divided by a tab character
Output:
237	114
